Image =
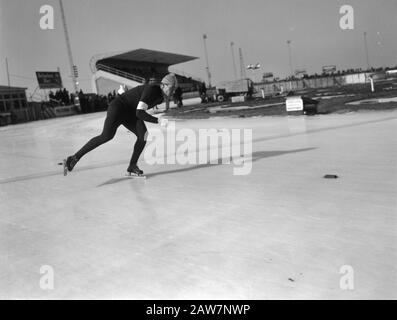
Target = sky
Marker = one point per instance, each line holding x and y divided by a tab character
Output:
260	27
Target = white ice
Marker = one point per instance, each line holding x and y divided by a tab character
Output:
200	232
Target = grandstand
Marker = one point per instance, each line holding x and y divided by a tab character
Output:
137	67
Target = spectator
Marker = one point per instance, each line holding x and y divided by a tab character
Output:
83	102
178	97
72	96
58	96
65	97
203	93
51	95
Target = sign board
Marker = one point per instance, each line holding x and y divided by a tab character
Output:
300	73
238	99
237	86
267	75
329	69
391	73
49	80
294	103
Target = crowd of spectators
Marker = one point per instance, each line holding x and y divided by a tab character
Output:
61	97
89	102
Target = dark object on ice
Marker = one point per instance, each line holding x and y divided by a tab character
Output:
331	176
309	106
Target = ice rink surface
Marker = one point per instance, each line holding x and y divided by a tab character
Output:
198	231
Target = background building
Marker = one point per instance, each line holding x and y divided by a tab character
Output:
12	98
15	108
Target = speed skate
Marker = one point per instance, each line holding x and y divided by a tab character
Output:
65	168
135	176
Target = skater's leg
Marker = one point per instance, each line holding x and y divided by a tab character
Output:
112	122
138	127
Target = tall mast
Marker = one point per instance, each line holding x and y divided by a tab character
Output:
234	62
242	65
65	29
206	58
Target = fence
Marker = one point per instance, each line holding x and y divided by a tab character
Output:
120	73
311	83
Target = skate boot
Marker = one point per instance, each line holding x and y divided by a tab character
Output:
133	170
69	163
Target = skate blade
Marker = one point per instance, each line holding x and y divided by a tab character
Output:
65	169
135	176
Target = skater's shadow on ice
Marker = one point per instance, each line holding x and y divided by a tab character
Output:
258	155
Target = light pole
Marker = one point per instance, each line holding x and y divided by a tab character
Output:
242	66
234	61
366	50
290	63
65	29
290	57
8	72
206	59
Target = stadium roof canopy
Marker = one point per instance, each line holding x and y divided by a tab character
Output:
144	56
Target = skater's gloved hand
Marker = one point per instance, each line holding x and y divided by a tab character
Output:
121	90
163	122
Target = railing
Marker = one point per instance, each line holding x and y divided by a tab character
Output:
185	74
120	73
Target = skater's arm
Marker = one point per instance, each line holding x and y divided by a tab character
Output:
143	115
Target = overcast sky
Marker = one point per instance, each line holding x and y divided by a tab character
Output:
260	27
